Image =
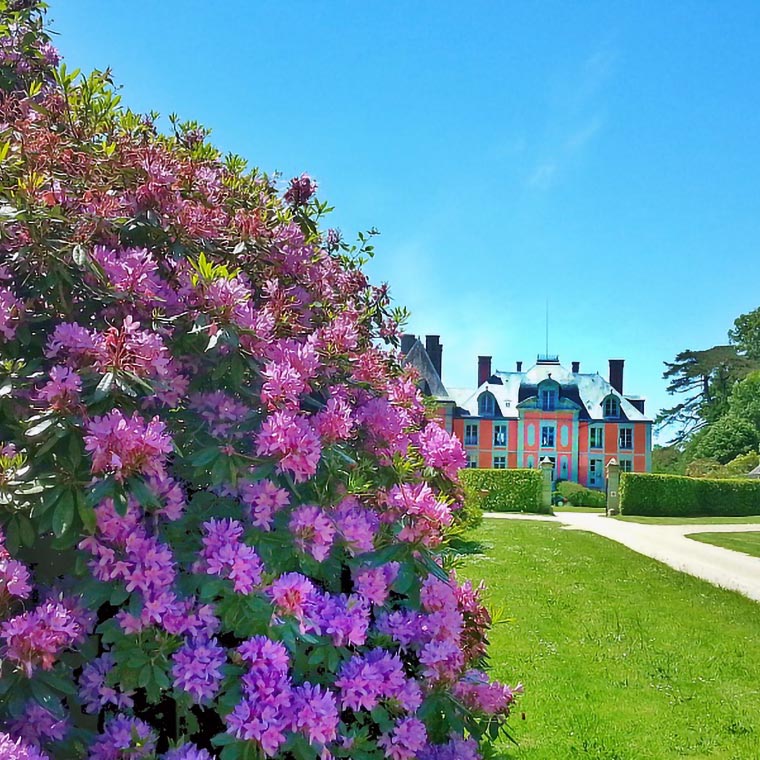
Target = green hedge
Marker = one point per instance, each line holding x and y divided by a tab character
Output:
579	496
503	490
680	496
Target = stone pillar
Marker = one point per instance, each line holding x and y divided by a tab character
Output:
613	487
546	468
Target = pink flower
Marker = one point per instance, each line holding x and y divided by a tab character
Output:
300	190
125	446
224	554
62	391
36	638
14	748
313	531
405	741
315	713
374	582
10	311
441	450
290	593
290	437
263	499
484	696
356	526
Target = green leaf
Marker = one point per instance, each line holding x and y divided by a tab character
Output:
86	513
103	388
27	533
142	492
40	428
63	515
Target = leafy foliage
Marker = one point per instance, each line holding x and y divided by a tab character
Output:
579	496
503	490
226	508
680	496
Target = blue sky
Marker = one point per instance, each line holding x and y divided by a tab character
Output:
602	155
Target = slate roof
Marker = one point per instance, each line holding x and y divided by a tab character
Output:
586	391
419	358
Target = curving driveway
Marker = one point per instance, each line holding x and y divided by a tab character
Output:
668	544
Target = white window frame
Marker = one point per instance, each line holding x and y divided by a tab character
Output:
611	407
500	462
548	427
470	434
628	430
486	404
500	434
596	431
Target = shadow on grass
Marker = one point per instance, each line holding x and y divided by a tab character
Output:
467	546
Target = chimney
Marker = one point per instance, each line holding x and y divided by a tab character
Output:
576	367
518	366
484	369
616	374
407	341
434	350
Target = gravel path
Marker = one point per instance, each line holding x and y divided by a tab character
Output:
668	544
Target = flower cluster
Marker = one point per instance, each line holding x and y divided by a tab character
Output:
239	497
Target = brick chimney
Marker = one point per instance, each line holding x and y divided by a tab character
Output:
484	369
616	374
518	366
434	350
407	341
576	367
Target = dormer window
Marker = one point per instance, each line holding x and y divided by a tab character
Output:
548	394
486	405
611	407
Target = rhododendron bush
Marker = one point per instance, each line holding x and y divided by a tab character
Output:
225	506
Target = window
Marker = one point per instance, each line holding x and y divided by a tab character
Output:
611	407
499	435
547	436
500	463
549	400
471	435
472	462
596	437
626	438
486	405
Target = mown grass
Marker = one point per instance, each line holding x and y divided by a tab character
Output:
747	543
750	520
622	657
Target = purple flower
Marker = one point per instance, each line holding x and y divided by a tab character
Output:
300	190
124	738
197	667
127	446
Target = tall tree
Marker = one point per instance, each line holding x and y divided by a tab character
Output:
745	334
705	378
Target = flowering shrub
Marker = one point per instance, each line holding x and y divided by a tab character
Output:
225	506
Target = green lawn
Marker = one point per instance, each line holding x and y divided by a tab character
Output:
752	519
748	543
622	658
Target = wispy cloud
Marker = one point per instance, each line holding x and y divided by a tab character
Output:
575	120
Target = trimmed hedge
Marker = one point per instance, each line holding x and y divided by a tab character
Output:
503	490
681	496
579	496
